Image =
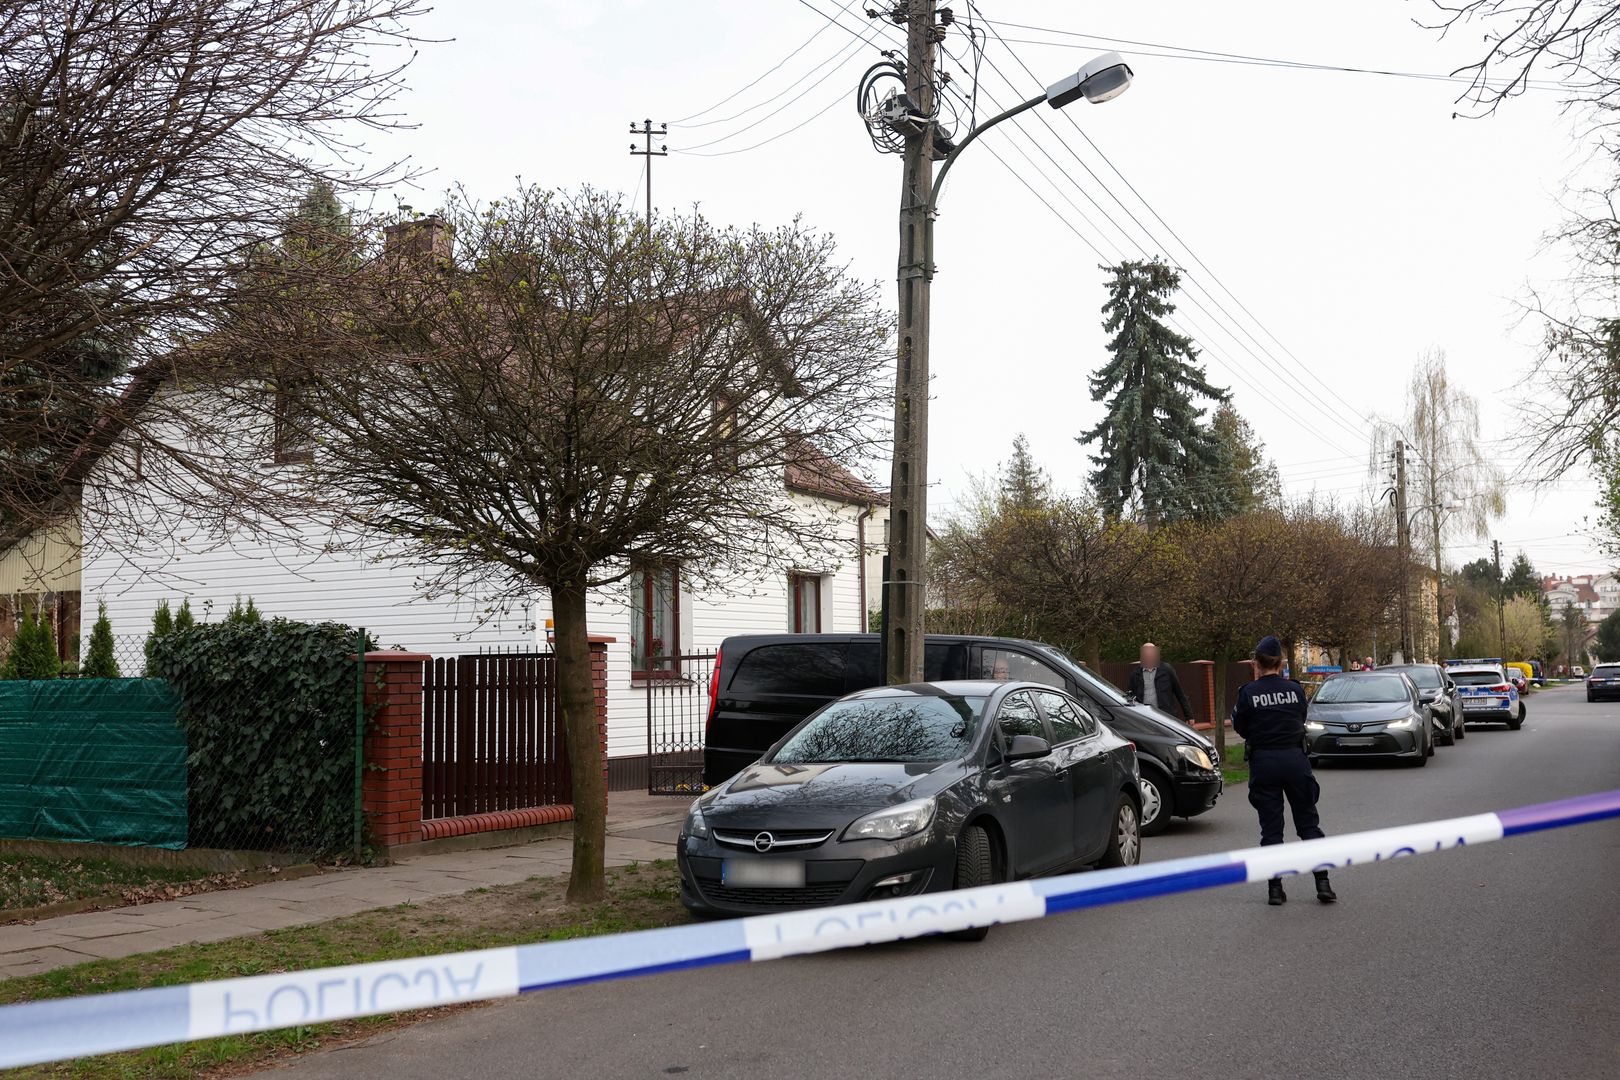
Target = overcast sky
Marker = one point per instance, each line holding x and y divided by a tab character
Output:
1354	221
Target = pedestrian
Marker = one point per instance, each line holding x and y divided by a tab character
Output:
1270	718
1156	685
1368	665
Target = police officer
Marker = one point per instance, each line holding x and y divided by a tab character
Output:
1270	718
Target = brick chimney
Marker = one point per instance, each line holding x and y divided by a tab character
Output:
421	238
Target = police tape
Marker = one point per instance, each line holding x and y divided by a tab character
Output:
36	1032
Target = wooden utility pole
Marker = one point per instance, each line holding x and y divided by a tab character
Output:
649	153
904	601
1501	602
1403	542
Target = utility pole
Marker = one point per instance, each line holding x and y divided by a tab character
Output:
1403	543
1501	602
649	153
904	602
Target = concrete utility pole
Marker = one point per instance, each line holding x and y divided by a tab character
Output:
649	153
1403	543
904	601
1501	602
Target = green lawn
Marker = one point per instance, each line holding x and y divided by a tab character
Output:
28	881
639	897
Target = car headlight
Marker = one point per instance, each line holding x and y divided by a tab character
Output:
695	823
893	823
1406	723
1195	756
1312	725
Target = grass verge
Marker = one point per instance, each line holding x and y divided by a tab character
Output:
639	897
1235	770
29	881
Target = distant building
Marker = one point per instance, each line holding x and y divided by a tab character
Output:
1597	596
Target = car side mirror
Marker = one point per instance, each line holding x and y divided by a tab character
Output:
1028	747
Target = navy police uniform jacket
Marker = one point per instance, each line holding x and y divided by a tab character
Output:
1270	713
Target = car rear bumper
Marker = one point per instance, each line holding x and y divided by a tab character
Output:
1603	693
836	872
1491	716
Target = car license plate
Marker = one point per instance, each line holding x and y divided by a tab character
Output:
1355	742
763	873
1482	703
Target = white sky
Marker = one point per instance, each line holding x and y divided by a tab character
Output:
1356	220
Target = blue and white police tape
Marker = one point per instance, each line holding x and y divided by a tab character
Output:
36	1032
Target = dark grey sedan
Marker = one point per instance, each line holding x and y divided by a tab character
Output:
1369	714
903	790
1439	693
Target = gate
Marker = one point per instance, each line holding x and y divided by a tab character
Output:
677	712
492	735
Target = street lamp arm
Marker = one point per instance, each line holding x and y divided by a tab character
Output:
950	159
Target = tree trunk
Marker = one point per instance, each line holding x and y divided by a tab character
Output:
1291	650
576	698
1218	707
1094	653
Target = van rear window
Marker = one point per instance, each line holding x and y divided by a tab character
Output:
940	661
811	668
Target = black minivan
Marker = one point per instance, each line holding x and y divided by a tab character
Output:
764	684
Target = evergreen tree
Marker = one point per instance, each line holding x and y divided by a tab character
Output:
162	626
1154	453
99	662
184	619
243	614
1243	479
33	651
1522	579
1024	485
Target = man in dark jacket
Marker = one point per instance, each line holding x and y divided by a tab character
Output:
1270	718
1156	684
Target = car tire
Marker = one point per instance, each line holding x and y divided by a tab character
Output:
975	866
1458	730
1449	738
1156	804
1590	698
1125	836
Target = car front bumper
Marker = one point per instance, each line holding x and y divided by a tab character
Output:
1195	793
1340	742
835	872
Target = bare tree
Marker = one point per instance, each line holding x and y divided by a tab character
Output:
1573	40
565	394
146	147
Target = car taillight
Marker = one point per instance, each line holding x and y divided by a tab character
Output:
714	698
1503	689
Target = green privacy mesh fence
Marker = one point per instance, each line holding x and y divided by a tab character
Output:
100	760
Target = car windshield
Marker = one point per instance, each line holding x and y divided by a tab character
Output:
1364	689
905	729
1097	688
1427	678
1478	678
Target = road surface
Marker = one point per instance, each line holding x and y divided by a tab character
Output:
1498	961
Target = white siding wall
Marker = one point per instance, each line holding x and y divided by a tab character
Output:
318	583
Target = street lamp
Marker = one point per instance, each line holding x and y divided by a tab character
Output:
1102	79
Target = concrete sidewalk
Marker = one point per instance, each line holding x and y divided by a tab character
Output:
641	828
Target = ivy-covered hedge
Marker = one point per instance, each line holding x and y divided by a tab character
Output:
269	712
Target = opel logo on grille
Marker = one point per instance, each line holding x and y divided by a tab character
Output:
1355	727
764	842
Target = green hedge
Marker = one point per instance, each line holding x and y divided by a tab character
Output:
269	712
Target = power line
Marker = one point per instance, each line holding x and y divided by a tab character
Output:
762	75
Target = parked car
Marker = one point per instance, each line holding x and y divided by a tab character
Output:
1369	714
1538	674
764	684
1439	693
1521	673
1578	671
1487	695
900	790
1603	683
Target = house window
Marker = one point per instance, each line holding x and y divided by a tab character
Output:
293	440
804	604
655	621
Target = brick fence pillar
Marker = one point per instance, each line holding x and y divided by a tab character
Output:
391	788
599	683
1205	707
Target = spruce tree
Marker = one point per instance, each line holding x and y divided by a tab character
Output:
1024	484
243	614
162	626
33	651
99	662
1154	452
184	619
1243	479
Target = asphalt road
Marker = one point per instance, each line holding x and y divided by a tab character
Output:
1498	961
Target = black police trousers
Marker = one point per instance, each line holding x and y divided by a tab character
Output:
1276	772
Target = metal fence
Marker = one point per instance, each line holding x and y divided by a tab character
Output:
492	735
677	714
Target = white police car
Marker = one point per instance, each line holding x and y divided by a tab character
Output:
1486	693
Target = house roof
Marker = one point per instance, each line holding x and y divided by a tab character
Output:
812	472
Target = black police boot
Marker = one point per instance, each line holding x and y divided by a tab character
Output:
1274	892
1324	891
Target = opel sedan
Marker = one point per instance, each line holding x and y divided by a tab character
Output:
902	790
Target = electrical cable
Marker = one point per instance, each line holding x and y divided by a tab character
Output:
763	75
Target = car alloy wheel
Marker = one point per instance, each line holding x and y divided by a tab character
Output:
1127	835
